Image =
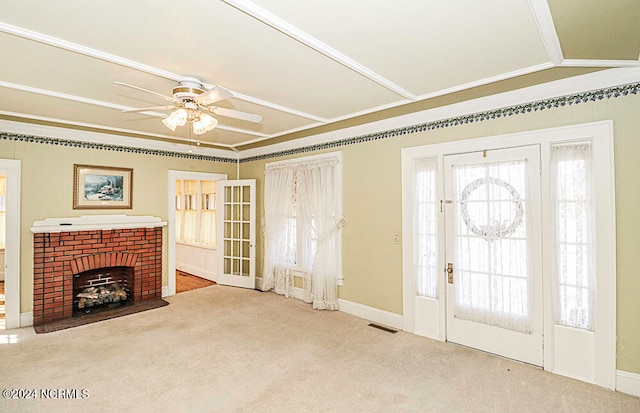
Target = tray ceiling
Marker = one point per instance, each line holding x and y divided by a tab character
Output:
303	66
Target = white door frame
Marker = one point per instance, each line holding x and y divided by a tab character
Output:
601	347
171	219
12	244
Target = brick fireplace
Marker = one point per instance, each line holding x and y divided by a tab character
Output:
65	248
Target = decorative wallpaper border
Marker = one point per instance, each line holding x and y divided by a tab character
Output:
107	147
575	99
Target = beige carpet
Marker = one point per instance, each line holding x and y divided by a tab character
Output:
221	349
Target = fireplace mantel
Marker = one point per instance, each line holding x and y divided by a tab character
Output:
95	222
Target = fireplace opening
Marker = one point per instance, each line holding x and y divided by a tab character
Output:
102	289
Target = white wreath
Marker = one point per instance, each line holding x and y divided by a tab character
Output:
496	230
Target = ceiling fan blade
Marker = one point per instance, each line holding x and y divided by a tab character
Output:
230	113
215	94
165	97
151	108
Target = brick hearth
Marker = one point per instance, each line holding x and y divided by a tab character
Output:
58	256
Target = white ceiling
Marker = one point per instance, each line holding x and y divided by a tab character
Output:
299	65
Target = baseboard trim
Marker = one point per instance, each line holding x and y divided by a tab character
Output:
26	319
628	383
376	315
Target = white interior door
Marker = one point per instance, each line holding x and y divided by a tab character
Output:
237	233
493	252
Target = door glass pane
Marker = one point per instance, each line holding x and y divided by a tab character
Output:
425	227
246	194
245	249
245	268
246	213
574	287
491	249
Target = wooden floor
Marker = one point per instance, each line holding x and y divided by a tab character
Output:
187	282
3	323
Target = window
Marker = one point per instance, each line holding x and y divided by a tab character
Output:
302	247
574	213
426	226
196	212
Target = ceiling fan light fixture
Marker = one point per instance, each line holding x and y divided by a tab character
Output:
175	119
203	124
209	121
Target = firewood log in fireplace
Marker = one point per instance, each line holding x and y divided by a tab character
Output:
103	294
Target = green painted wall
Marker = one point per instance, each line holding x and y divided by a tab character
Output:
47	190
372	263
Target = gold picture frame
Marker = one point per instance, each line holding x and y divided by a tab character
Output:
102	187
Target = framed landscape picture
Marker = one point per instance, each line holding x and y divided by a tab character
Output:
102	187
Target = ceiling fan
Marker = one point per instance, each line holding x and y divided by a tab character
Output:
191	103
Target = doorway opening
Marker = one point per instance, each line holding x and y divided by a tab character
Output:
192	246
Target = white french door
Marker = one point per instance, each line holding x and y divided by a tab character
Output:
493	252
237	233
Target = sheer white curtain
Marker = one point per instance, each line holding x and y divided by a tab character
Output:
491	249
303	217
574	285
279	231
425	217
320	216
